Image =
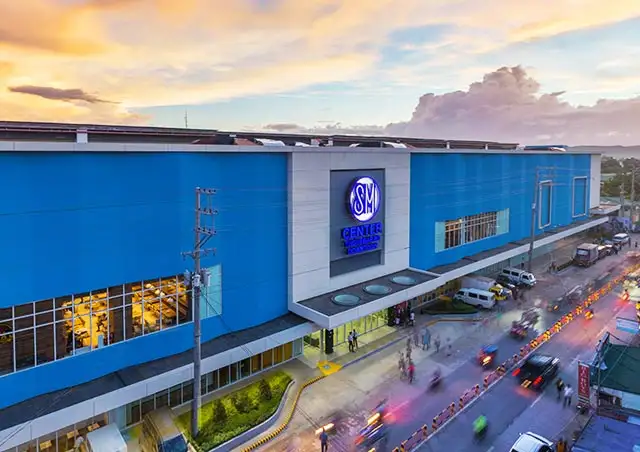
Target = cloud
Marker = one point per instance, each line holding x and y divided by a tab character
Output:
149	53
66	95
507	105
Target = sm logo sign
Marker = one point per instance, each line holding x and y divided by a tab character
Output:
364	199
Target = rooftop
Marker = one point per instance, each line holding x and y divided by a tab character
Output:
623	368
12	131
603	434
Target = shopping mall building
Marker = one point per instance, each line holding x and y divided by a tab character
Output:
311	236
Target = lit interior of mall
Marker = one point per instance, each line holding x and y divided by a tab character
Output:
36	333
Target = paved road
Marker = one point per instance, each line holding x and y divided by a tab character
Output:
507	402
412	410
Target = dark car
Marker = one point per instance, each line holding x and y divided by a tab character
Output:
505	282
537	371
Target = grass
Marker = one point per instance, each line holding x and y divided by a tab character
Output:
233	414
447	306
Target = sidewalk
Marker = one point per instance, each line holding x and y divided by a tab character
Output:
362	380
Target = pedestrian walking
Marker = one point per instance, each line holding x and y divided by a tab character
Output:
449	347
324	441
402	365
561	446
568	393
355	340
350	339
412	370
412	318
559	387
437	343
397	321
416	338
426	339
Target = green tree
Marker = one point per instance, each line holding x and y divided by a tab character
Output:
265	390
610	165
219	411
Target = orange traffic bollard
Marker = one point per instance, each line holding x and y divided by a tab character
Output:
477	389
425	431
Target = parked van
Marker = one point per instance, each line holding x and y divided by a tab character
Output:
160	433
519	276
621	239
476	297
105	439
488	284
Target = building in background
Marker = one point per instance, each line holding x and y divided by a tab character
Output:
314	238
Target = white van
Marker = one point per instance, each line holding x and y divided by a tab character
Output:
621	239
519	276
476	297
531	442
105	439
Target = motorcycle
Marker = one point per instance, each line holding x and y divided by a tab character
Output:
479	434
487	355
435	380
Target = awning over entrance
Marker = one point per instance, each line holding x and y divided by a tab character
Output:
336	308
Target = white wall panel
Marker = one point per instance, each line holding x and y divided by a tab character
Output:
309	213
594	191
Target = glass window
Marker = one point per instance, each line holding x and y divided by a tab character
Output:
212	382
175	396
233	372
256	363
211	302
147	405
245	368
24	346
187	392
452	233
223	375
45	344
267	359
133	413
162	399
277	354
288	351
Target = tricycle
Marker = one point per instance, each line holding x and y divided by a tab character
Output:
519	329
487	355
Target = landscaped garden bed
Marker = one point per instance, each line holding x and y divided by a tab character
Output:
448	306
235	413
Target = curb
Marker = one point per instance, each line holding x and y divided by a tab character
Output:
246	436
268	437
404	337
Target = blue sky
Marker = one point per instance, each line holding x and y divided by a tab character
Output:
251	63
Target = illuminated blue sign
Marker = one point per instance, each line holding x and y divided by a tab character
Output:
362	238
364	199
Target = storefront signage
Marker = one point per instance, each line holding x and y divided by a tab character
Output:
364	199
627	325
584	384
362	238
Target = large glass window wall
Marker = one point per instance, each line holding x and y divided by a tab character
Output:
218	379
66	439
36	333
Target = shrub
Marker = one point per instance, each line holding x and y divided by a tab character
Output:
265	390
241	401
219	411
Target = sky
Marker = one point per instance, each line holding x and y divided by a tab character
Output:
548	71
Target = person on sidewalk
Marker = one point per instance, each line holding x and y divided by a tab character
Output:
437	343
568	393
559	387
426	339
350	339
449	347
402	366
324	441
355	340
412	371
416	338
412	318
561	446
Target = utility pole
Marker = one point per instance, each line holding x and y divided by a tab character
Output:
186	119
534	210
204	229
622	199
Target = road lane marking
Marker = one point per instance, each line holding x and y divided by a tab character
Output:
536	400
490	449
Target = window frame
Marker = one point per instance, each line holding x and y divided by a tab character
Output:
586	197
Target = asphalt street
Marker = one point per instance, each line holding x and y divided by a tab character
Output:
506	402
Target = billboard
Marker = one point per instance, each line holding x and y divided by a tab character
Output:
357	213
584	382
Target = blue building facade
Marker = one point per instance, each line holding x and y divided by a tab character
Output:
449	189
84	224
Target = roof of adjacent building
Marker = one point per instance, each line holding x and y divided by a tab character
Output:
12	131
603	434
622	368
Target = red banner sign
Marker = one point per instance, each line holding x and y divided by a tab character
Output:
584	384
